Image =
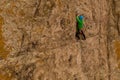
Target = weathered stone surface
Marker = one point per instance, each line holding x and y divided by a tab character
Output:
37	40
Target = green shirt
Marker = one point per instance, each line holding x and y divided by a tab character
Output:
80	23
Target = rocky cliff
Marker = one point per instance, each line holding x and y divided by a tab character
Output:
37	40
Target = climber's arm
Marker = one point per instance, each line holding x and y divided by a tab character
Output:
84	26
77	18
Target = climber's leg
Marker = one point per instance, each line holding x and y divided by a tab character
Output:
77	35
82	33
77	32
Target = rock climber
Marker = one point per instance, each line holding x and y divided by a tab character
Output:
79	27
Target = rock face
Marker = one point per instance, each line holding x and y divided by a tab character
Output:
37	40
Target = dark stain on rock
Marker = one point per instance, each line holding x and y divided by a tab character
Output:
62	23
26	73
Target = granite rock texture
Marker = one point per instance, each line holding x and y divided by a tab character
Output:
37	40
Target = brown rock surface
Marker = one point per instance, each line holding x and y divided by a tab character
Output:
37	40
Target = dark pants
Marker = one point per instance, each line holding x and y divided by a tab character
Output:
79	32
77	35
